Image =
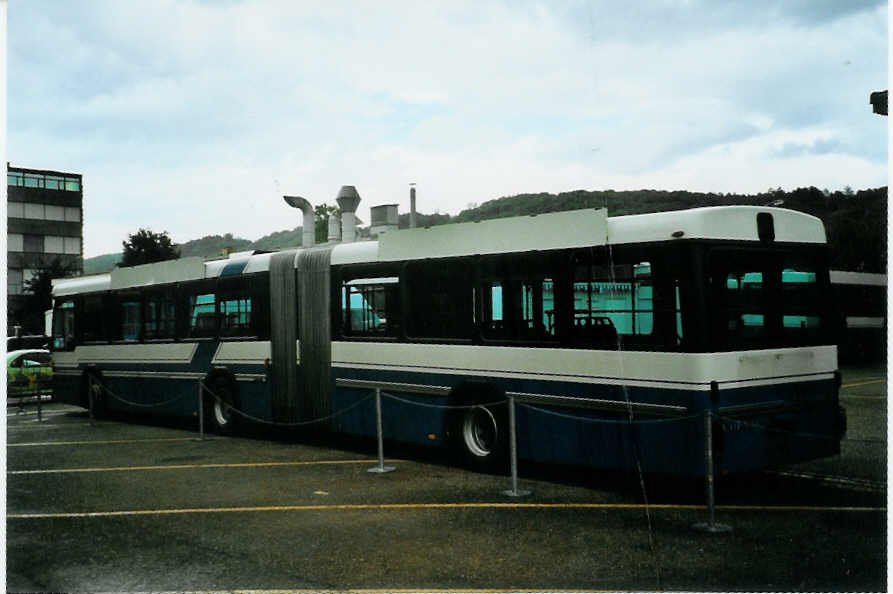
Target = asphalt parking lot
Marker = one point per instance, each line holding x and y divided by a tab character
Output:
122	506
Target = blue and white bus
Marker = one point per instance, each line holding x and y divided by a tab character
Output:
614	335
861	301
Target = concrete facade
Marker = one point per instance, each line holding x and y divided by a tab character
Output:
45	222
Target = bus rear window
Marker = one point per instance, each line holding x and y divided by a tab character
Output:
766	299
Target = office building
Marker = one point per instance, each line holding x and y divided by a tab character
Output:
45	223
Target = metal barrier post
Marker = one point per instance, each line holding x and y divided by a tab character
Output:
381	468
710	526
513	453
201	412
90	396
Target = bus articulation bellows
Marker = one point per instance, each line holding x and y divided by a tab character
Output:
616	335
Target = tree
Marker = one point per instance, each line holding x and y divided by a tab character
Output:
39	289
321	216
145	247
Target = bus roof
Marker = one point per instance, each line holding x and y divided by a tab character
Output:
557	230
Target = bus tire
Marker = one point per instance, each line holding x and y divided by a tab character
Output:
478	432
219	399
93	382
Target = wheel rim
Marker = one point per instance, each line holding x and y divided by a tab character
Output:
479	431
222	413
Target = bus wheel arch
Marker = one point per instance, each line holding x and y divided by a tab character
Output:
478	432
221	396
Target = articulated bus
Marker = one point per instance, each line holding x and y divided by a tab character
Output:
861	299
614	336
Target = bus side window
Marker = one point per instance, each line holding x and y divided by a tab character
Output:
160	319
235	309
259	286
130	318
64	327
202	317
93	310
518	298
441	299
371	307
199	302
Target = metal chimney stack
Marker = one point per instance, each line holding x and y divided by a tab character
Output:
308	225
412	206
348	201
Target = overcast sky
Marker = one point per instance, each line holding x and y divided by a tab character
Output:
195	117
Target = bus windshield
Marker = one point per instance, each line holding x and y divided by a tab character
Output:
767	299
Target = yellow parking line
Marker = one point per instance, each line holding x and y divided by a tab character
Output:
865	383
426	506
392	591
44	425
192	466
96	442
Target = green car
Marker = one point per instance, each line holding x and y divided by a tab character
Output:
28	373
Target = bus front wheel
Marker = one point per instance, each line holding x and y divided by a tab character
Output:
220	400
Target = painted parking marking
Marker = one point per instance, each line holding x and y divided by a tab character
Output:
391	591
194	466
44	413
99	442
35	425
435	506
865	383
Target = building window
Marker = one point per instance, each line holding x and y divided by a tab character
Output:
33	244
14	281
54	213
72	214
72	245
14	242
37	180
53	244
34	211
27	276
15	210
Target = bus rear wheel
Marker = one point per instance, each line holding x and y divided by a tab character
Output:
479	433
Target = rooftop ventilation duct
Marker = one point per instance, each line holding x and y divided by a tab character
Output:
334	227
348	201
384	218
308	225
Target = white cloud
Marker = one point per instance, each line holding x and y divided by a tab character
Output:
195	117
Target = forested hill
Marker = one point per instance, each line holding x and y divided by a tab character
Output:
855	221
